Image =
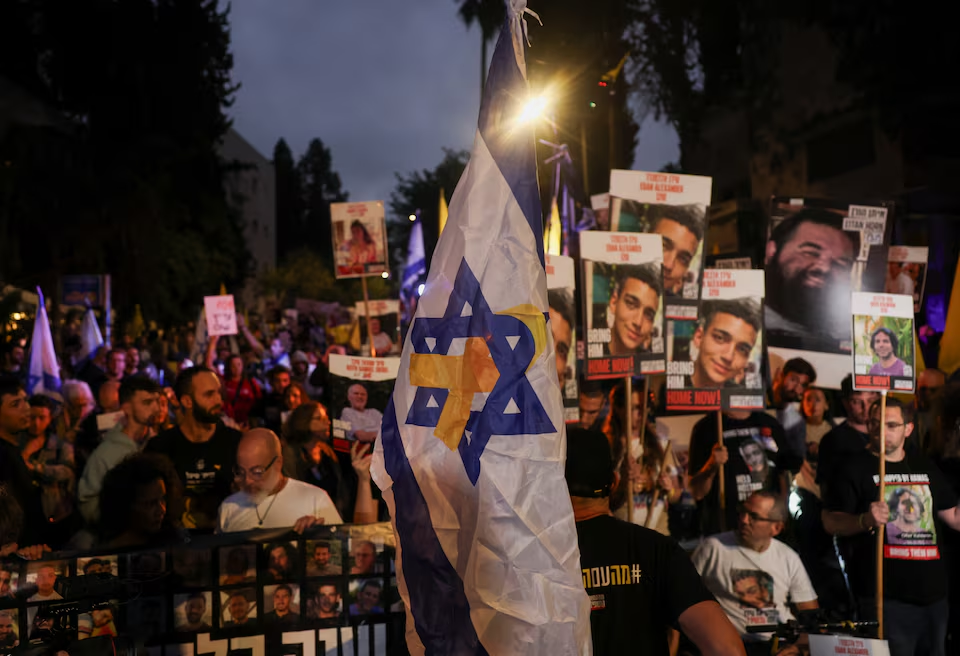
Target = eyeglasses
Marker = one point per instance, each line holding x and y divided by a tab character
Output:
754	517
874	424
256	473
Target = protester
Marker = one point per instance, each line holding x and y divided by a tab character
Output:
201	448
915	609
138	402
240	392
293	396
13	361
849	438
640	582
269	410
592	404
139	502
364	422
267	498
752	456
14	421
790	382
816	415
78	405
755	577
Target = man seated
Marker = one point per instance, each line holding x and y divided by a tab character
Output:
753	575
639	582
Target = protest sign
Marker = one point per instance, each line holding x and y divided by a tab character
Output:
818	252
221	314
672	206
622	303
715	361
841	645
359	239
600	204
561	296
384	324
360	388
883	345
907	272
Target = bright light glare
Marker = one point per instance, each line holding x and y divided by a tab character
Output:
420	289
412	217
533	109
384	275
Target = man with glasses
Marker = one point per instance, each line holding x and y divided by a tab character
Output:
753	575
915	608
267	498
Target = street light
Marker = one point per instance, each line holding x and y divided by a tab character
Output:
412	217
533	109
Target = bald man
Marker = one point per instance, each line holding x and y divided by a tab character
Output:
267	498
364	422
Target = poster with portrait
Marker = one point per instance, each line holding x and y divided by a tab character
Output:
907	272
673	206
715	361
910	532
384	324
622	288
561	297
818	252
600	204
883	346
359	391
359	239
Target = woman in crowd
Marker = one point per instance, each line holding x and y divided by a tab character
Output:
139	503
816	412
240	392
293	396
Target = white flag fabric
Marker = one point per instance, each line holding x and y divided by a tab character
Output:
43	374
471	452
90	336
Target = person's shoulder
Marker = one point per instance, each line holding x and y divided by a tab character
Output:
784	551
164	440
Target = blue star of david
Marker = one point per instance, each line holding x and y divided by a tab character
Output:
512	363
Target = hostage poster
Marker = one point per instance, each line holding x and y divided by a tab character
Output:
359	391
907	272
384	326
883	346
672	206
622	288
561	295
359	239
714	361
818	252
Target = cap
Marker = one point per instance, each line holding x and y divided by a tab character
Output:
589	470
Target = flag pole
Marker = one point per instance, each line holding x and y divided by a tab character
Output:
656	492
628	410
366	311
722	481
883	473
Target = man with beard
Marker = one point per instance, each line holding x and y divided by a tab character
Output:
849	438
633	309
138	402
809	258
194	609
8	629
789	385
884	344
328	602
201	447
267	498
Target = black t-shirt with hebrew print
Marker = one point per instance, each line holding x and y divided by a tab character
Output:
639	583
915	491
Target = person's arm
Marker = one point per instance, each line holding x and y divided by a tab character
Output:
702	482
951	517
365	509
247	335
845	524
211	356
710	630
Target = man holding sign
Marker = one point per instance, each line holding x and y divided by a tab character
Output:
914	589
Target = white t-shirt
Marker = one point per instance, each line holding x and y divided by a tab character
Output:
752	587
282	510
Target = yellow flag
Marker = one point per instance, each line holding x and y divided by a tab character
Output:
950	343
223	289
551	236
443	210
355	336
614	73
137	325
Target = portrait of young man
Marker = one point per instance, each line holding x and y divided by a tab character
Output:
724	340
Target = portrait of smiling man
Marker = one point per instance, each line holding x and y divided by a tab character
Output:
728	332
633	308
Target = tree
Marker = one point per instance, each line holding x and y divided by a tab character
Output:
320	186
289	201
306	275
419	193
490	16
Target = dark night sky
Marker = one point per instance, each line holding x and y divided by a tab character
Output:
386	84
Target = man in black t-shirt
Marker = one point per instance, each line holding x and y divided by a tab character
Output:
202	449
753	458
849	438
639	582
14	475
914	590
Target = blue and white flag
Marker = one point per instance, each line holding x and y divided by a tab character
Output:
416	268
90	336
472	446
43	374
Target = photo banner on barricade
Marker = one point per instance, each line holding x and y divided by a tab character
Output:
561	298
384	324
907	272
883	347
714	361
818	252
622	289
360	388
330	591
673	206
359	239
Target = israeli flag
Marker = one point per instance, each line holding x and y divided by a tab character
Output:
43	374
90	336
471	452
